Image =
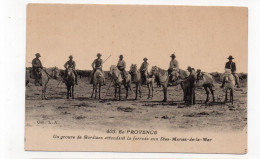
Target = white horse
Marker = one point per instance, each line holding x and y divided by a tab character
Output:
46	75
230	84
116	76
98	81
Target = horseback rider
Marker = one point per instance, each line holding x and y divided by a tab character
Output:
232	66
37	66
96	64
121	66
174	66
71	64
144	70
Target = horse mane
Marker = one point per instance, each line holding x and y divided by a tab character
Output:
161	71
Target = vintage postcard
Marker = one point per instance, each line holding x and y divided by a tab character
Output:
136	78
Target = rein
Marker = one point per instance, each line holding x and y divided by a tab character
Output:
48	74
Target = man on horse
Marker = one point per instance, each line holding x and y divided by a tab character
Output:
232	66
121	66
71	64
96	64
37	66
174	66
144	70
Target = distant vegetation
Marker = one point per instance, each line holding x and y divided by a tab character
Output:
216	75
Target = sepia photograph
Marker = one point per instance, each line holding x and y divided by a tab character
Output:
136	78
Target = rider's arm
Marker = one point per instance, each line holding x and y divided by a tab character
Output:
65	65
226	65
101	64
33	63
176	64
234	68
123	64
40	64
93	64
74	65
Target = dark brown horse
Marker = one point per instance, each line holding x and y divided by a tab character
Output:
206	81
70	82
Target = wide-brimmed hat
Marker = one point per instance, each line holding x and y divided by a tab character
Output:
38	54
70	56
172	55
189	68
145	58
230	57
99	54
121	56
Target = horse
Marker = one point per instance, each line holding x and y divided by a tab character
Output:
70	82
206	81
46	75
115	74
229	84
163	77
98	81
137	79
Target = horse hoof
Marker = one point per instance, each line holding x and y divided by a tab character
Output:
164	100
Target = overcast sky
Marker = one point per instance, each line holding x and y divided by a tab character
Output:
201	37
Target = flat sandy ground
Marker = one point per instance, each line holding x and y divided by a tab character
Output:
85	113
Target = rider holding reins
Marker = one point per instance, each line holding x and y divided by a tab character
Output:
96	64
71	64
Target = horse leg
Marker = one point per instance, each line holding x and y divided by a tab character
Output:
26	83
140	90
68	92
149	88
226	95
126	91
136	90
165	93
184	92
44	91
193	95
207	92
95	91
92	91
212	93
115	91
232	95
119	92
72	89
99	88
152	90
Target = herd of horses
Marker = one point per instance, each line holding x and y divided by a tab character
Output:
133	76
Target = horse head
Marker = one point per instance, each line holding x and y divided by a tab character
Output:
55	72
154	71
133	68
115	73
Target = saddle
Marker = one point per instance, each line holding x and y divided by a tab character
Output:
144	76
35	74
175	73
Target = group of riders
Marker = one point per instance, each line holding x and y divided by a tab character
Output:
121	65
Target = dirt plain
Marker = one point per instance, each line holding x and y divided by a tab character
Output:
85	113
